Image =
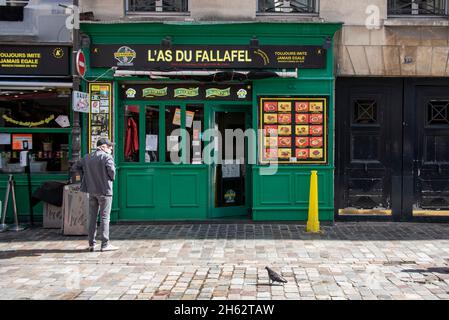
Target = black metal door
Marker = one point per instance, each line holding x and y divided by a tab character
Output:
368	147
426	148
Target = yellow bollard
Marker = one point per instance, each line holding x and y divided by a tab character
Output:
313	224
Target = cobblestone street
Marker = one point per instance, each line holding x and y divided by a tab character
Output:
226	261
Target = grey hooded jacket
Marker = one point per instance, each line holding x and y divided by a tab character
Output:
98	173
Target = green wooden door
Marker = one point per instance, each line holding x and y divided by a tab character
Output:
229	173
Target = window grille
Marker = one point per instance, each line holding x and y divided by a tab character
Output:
157	6
365	112
438	113
287	6
417	7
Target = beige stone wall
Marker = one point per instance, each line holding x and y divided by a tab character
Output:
367	51
233	10
359	50
383	52
350	12
104	9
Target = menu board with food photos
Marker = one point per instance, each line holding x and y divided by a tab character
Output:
294	130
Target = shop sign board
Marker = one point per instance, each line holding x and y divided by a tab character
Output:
294	130
34	60
154	57
228	92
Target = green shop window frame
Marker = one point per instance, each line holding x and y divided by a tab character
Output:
162	137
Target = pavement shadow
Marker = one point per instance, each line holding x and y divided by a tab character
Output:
36	252
441	270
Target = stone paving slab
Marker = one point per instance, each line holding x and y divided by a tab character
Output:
364	260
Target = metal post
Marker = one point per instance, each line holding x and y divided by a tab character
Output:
76	129
16	227
30	192
4	226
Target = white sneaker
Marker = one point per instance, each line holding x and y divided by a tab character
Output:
109	247
91	249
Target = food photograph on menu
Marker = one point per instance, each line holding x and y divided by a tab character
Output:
294	130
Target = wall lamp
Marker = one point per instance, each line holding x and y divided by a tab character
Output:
327	44
254	43
166	42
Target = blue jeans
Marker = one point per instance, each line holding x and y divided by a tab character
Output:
99	204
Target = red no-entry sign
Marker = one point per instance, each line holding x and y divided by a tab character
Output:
81	63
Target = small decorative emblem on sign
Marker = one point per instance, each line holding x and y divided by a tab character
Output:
125	56
230	196
58	53
131	93
242	93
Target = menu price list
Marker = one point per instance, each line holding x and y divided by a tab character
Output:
294	130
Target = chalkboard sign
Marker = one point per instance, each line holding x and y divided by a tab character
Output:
52	218
75	211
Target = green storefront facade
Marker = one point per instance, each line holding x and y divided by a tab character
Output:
149	187
160	190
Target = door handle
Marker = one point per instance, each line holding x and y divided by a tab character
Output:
417	165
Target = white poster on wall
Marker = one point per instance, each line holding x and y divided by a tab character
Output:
80	101
5	138
151	142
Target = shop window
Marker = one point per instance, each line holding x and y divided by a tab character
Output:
136	6
287	6
438	113
131	134
365	112
34	109
172	133
194	127
152	133
417	7
12	10
49	152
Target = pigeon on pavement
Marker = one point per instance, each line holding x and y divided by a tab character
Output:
273	276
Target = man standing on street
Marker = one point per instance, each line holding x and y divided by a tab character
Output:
98	174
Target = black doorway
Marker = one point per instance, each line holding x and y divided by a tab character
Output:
392	149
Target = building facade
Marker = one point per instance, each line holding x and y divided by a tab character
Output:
376	72
35	95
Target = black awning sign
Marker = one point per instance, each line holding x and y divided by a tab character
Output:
155	57
34	60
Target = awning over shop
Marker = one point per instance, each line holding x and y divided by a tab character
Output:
33	85
212	75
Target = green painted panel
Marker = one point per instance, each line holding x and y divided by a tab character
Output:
184	190
275	189
139	190
302	184
179	192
